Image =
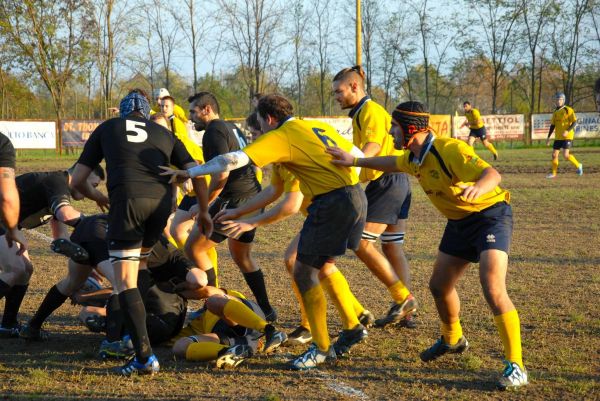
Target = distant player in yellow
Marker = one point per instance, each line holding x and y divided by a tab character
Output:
464	188
477	128
335	221
388	196
177	110
562	125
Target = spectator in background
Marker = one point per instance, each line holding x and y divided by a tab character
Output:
177	110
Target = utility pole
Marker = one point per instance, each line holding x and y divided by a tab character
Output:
358	34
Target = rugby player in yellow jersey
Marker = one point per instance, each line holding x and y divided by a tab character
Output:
562	125
464	188
284	182
477	128
388	196
335	220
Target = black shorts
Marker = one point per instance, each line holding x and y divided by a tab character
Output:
335	222
480	133
139	221
562	144
388	198
489	229
220	204
187	202
90	234
174	270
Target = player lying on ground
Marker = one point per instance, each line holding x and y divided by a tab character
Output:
464	188
229	329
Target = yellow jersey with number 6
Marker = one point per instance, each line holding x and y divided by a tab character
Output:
300	146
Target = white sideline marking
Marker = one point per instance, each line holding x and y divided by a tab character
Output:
340	387
336	385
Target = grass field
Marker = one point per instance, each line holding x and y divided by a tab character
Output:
553	280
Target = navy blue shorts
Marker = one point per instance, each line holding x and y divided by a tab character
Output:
489	229
388	198
220	204
480	133
335	222
187	202
561	144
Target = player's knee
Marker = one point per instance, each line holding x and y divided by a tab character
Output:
197	278
216	304
437	291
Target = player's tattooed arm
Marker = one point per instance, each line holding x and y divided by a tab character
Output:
222	163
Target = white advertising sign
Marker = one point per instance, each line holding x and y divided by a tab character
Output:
588	126
30	134
498	127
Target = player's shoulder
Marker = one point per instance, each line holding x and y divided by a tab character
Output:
372	106
447	145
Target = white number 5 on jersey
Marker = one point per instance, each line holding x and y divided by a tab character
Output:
135	126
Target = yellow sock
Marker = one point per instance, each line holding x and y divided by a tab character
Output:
303	318
174	243
452	332
316	311
399	292
554	167
339	291
573	160
242	315
492	149
509	327
212	255
358	308
205	351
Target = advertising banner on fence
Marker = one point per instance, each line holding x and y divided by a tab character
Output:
504	127
30	134
441	124
588	126
76	132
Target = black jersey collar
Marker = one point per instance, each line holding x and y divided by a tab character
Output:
360	104
284	120
424	151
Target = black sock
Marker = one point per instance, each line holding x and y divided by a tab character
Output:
114	318
134	316
14	298
4	289
144	282
53	300
211	276
256	282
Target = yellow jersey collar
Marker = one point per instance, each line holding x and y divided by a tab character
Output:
285	120
360	104
426	148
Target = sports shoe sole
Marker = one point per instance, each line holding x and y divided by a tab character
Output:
228	361
70	249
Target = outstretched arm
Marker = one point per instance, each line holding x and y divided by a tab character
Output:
220	164
343	158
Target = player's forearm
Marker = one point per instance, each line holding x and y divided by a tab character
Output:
572	126
384	163
222	163
260	200
550	131
489	180
289	206
9	200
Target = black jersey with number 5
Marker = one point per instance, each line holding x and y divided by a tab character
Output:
133	148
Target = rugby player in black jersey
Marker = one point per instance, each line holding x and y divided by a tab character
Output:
44	197
226	190
141	201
